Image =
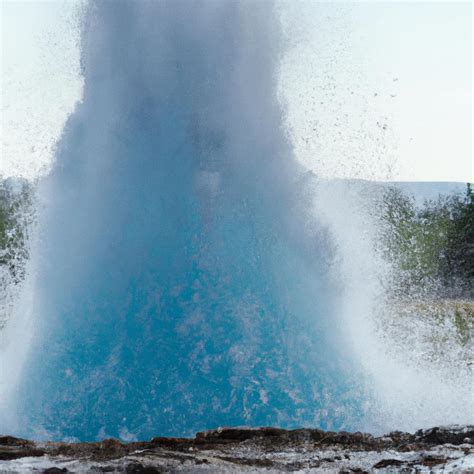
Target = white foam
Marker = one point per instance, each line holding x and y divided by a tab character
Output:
41	81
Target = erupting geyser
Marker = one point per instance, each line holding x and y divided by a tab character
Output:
181	282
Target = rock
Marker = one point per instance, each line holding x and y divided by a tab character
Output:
251	450
14	448
442	435
388	463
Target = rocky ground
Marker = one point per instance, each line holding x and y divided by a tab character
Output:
226	450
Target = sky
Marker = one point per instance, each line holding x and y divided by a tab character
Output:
381	90
372	90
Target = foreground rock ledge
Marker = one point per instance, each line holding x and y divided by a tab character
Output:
447	449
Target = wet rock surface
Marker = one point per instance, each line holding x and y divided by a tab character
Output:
443	449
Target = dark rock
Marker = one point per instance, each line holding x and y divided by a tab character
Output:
388	463
431	461
226	435
15	448
443	435
137	468
255	449
12	441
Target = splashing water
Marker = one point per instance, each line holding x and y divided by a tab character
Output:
188	272
395	342
180	283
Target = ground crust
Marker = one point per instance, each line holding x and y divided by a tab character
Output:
266	449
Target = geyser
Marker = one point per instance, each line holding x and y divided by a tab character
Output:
180	280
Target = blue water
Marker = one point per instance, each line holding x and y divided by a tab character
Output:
182	281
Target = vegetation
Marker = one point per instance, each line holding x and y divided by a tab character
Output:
15	220
431	247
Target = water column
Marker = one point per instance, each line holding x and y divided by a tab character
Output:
181	281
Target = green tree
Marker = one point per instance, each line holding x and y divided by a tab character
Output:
458	266
430	247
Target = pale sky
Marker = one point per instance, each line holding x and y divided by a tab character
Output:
373	90
381	90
